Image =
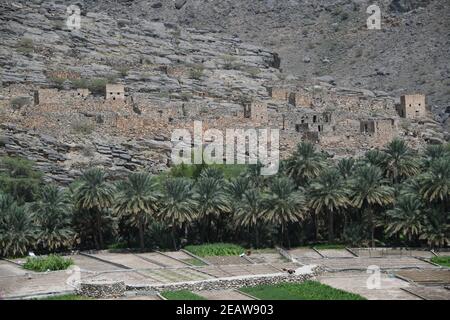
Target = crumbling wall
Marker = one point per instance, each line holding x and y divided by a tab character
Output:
279	93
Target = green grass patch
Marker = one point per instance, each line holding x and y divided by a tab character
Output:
181	295
443	261
215	249
67	297
329	246
308	290
51	262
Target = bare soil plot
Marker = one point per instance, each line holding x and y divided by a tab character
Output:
34	283
301	253
176	275
356	282
10	269
225	271
430	293
385	252
335	253
385	263
127	260
180	255
222	295
160	259
129	277
267	258
226	260
426	277
91	264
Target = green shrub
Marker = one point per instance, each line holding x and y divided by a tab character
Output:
96	85
229	62
215	249
123	71
25	46
18	103
308	290
196	72
443	261
253	72
57	82
83	127
18	178
181	295
51	262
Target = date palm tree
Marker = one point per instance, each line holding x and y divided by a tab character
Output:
400	162
52	214
17	230
305	164
211	172
327	194
406	218
177	206
285	204
211	202
433	152
249	212
94	195
437	229
235	188
376	158
435	183
368	189
346	167
137	199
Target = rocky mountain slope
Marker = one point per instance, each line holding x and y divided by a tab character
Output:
327	37
207	58
158	63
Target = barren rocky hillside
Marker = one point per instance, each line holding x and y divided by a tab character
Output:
181	61
317	37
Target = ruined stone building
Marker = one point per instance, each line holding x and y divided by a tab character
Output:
382	128
115	92
412	106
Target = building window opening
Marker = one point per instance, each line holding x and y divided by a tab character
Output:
314	119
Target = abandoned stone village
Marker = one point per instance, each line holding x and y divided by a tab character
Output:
340	122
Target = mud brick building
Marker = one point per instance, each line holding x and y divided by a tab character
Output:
412	106
115	92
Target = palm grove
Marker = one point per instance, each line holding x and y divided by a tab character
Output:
393	196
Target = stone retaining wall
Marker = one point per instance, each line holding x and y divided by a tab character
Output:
228	283
102	289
